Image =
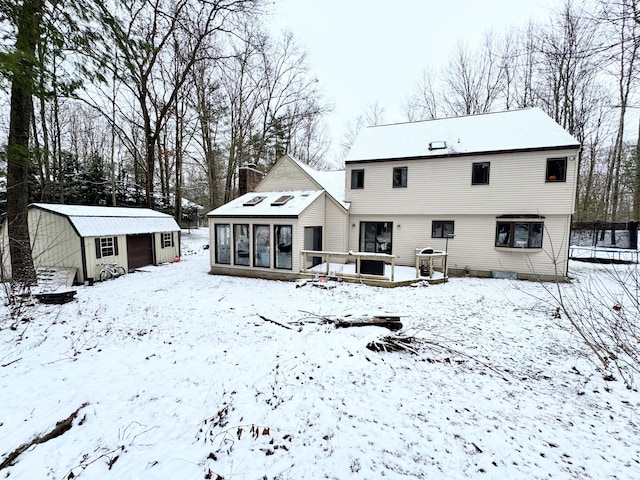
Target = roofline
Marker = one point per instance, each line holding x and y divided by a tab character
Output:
453	117
53	212
253	216
69	218
466	154
45	207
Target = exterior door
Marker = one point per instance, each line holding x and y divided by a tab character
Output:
376	237
139	250
313	241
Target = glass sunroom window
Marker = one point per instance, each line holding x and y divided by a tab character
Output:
223	244
241	244
283	244
261	246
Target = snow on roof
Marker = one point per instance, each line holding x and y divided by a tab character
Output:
91	221
261	208
332	181
492	132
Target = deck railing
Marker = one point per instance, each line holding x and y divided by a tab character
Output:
347	257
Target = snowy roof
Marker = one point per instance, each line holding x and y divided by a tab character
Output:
332	181
245	206
92	221
528	129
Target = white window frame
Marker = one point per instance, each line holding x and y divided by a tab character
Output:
167	240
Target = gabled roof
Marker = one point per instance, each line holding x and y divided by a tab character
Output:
528	129
91	221
250	204
332	181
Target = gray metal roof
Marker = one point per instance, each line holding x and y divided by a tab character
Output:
90	221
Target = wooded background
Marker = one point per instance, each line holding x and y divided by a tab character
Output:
149	102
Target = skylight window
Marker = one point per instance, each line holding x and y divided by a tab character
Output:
439	145
254	201
281	200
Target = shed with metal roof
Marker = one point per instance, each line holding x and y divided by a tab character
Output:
85	237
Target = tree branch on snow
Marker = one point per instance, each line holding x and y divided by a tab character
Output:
61	427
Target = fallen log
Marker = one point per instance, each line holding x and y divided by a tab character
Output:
61	427
370	322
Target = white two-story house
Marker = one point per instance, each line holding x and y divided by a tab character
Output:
497	191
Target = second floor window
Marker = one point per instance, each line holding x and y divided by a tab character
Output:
480	173
399	177
357	179
557	169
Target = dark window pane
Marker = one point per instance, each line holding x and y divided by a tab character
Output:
283	242
442	228
519	234
241	244
480	173
376	237
557	169
400	177
503	234
357	179
261	245
223	244
535	238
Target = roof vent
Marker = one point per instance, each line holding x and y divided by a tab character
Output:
439	145
254	201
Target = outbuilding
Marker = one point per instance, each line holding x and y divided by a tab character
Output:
84	237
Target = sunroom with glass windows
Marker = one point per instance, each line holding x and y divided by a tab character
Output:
264	232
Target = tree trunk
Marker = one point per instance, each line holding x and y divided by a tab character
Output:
18	156
636	183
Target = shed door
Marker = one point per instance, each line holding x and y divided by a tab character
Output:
139	250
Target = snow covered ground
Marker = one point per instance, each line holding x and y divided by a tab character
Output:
181	378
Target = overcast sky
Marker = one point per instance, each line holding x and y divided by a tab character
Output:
364	51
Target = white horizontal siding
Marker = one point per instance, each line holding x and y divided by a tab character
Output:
336	224
473	246
442	186
286	176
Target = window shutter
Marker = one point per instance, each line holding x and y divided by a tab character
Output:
115	245
172	239
98	249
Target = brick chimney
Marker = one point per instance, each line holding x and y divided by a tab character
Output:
248	178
